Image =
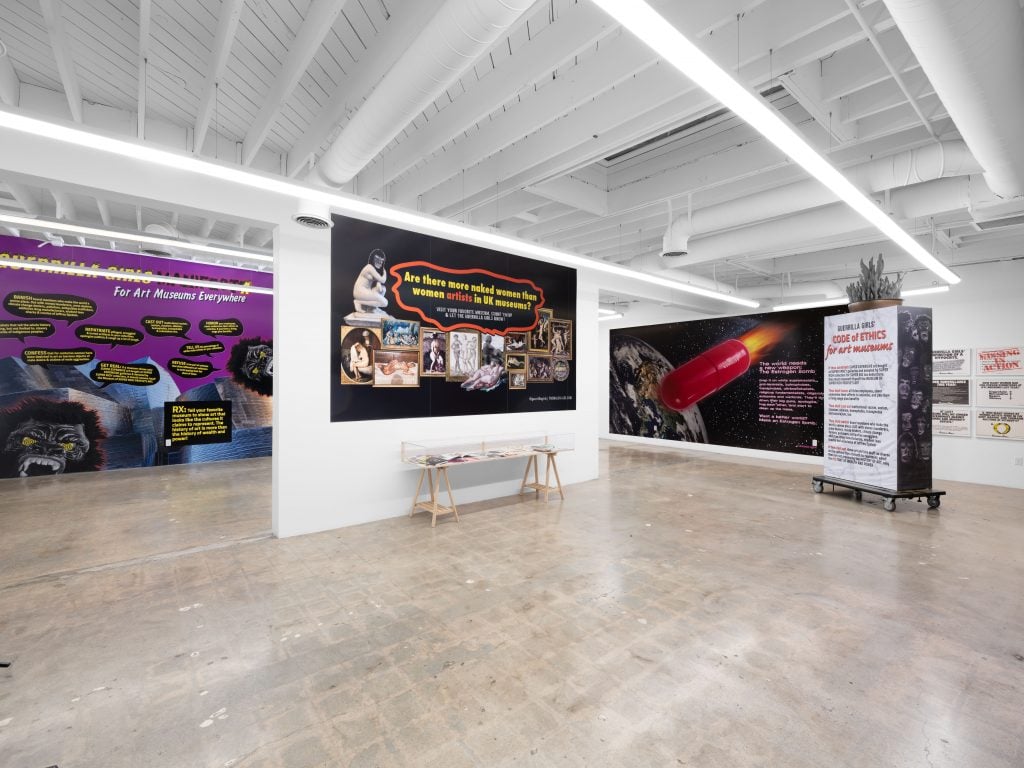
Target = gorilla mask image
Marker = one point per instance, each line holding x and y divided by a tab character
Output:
46	437
252	364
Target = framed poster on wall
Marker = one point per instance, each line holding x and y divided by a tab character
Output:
423	326
951	362
999	361
951	420
999	392
999	424
951	391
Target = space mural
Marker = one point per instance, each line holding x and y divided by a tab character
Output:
750	381
115	370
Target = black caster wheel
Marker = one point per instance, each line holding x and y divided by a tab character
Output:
933	502
818	486
888	504
857	495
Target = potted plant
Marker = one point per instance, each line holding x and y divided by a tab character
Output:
872	289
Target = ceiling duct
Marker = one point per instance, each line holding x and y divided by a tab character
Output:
812	227
934	161
460	33
160	230
973	54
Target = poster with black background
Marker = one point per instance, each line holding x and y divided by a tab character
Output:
422	326
750	381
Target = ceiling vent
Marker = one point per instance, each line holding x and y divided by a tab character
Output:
313	215
1006	221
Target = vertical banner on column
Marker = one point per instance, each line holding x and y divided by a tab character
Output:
861	411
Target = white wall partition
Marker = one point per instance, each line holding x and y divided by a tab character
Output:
326	475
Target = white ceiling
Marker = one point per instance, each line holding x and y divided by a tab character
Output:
567	131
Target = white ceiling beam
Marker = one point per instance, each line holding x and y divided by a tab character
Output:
653	100
145	14
859	66
439	180
10	84
398	34
25	198
529	218
207	227
865	24
882	96
315	27
904	116
572	191
494	211
227	24
611	229
556	224
104	209
807	89
54	20
576	29
65	207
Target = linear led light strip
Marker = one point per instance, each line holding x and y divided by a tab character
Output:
843	300
653	30
343	203
109	234
134	277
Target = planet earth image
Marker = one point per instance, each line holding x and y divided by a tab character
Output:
636	371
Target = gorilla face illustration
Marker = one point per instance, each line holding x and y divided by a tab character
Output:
44	437
259	362
252	364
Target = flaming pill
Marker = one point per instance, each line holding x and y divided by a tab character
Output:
705	374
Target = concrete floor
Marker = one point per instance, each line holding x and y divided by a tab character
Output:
681	610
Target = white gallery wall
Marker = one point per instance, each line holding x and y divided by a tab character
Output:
985	310
326	475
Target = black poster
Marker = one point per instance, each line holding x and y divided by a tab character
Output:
752	381
199	422
424	326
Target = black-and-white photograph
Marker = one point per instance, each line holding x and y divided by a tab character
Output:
433	348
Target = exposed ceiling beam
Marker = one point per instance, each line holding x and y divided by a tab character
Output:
494	211
145	12
65	208
890	67
10	85
397	35
655	99
318	23
575	192
807	90
227	24
25	198
104	208
859	66
53	17
578	27
882	96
